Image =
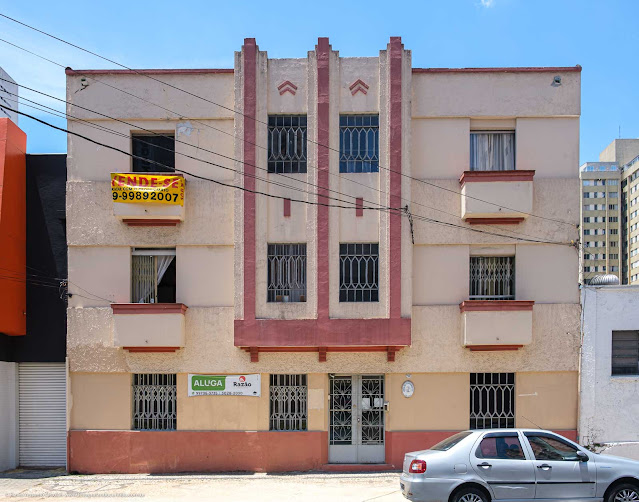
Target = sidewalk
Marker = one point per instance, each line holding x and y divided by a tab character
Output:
26	485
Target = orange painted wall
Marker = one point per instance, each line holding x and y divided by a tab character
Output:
13	229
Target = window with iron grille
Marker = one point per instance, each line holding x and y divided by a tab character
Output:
286	273
492	400
625	352
492	277
288	403
148	149
153	277
359	272
359	143
492	151
287	143
154	401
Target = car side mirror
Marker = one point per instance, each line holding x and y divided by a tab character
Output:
582	456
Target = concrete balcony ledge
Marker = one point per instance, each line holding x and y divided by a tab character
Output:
149	327
489	325
496	197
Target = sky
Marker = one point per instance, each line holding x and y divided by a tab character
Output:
601	36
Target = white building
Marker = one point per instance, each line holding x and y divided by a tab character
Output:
609	410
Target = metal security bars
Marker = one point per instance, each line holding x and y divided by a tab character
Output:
492	400
286	273
288	408
154	402
358	143
287	143
625	352
150	282
492	278
372	402
341	411
359	272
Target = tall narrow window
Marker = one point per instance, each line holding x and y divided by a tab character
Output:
492	151
358	143
492	277
492	400
286	273
153	153
359	272
154	401
153	276
625	352
287	144
288	403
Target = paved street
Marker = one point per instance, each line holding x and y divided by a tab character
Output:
55	485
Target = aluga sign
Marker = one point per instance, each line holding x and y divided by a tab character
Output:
224	385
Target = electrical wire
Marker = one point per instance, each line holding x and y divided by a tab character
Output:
265	123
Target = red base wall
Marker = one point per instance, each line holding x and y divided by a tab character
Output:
98	452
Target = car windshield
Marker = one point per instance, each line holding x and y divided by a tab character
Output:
448	443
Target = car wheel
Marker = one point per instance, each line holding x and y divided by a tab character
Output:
624	493
471	494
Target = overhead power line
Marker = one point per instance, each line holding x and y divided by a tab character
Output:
233	110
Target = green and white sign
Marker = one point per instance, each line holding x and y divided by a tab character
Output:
224	385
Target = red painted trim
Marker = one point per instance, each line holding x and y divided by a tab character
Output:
287	207
494	221
495	305
516	69
157	222
104	452
322	354
382	348
151	349
323	52
148	308
492	348
359	206
287	83
396	53
363	333
489	176
157	71
359	82
255	354
250	140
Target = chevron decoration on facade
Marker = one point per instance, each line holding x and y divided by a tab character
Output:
359	86
287	86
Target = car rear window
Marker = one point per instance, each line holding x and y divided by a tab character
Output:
448	443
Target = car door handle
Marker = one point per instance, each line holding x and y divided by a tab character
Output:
484	465
545	467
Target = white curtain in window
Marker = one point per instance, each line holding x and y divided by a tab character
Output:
492	151
163	265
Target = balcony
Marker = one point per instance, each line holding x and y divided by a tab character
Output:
149	327
148	199
496	197
489	325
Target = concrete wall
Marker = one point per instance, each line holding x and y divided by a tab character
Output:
620	151
8	415
609	411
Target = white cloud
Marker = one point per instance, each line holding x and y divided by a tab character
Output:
487	3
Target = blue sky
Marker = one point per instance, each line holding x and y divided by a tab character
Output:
602	36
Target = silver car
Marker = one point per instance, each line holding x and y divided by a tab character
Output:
519	465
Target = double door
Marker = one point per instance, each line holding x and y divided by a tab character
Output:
356	419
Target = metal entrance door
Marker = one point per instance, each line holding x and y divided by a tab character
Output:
356	430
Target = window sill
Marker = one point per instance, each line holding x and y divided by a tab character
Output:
149	308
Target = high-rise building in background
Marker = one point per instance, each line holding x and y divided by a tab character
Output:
610	213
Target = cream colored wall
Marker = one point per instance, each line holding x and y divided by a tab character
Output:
440	275
495	94
296	72
440	402
367	70
440	147
436	346
205	276
230	413
497	328
99	275
547	400
100	401
148	330
547	273
497	199
550	146
317	402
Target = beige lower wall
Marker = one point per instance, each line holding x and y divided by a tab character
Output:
440	402
100	401
547	400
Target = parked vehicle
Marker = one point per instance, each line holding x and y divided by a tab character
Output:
516	465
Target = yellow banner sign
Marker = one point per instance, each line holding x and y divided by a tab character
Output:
138	188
